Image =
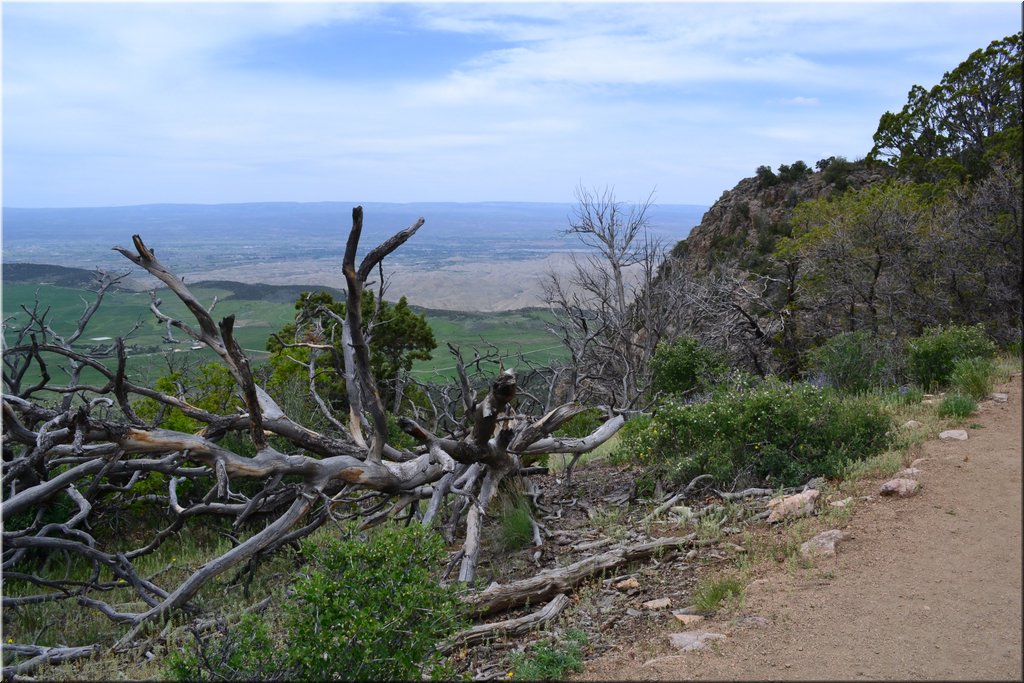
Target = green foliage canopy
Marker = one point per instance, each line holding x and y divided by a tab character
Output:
398	336
956	128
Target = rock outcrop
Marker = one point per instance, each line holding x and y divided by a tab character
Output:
742	227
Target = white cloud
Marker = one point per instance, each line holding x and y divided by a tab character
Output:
637	92
798	101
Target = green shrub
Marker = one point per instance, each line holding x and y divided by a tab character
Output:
359	610
710	594
973	377
582	424
905	395
773	433
685	365
515	526
957	406
766	176
932	356
549	661
852	361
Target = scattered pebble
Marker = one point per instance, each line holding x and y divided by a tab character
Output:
1000	398
627	584
909	472
912	424
841	503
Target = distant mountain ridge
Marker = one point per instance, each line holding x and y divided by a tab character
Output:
194	238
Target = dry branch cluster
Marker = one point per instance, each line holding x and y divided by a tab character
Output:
85	446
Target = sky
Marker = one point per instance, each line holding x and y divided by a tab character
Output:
131	103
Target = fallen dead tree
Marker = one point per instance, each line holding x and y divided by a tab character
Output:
508	627
85	446
536	589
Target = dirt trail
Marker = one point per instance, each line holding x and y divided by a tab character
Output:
929	587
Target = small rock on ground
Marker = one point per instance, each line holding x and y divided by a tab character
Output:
1000	397
688	619
953	435
693	640
660	603
904	488
824	544
908	472
752	621
911	424
797	505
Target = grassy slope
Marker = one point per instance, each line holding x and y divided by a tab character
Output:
255	320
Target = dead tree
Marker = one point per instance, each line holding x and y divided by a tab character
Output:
608	315
86	444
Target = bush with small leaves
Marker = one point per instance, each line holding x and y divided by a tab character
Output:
772	434
852	361
932	356
685	366
361	609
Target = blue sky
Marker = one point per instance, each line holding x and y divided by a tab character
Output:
137	103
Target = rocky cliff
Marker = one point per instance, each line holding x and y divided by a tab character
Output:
742	227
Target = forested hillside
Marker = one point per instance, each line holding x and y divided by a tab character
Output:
922	231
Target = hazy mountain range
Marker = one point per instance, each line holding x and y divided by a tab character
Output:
449	263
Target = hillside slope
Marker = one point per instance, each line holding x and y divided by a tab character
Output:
741	228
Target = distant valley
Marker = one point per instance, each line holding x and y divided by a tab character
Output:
485	256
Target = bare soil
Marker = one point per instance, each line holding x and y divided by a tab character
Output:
927	588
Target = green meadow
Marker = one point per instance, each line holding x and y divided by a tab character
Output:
511	332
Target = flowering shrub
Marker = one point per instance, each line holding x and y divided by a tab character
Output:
775	434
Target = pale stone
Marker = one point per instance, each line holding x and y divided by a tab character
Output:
627	584
953	435
841	503
797	505
824	544
688	619
920	461
693	640
660	603
1000	398
909	472
752	621
692	609
904	488
912	424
